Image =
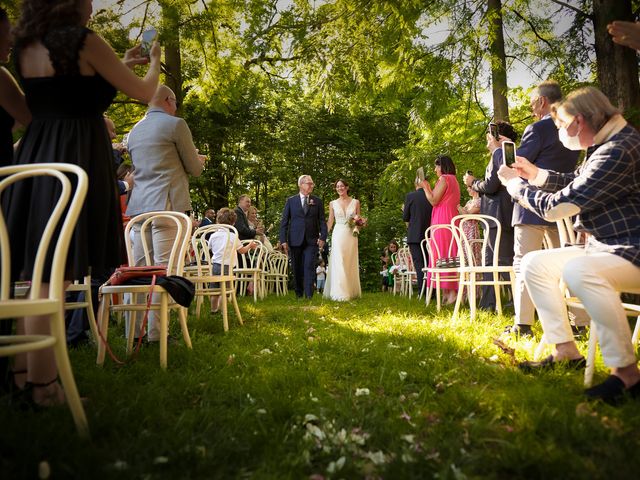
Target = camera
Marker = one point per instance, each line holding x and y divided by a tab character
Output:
493	130
148	36
509	153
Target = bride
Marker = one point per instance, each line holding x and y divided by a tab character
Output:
343	276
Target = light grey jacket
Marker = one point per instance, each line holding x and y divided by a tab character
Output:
163	154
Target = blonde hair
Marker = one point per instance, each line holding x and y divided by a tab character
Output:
589	102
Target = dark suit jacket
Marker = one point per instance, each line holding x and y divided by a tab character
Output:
296	227
495	199
245	232
541	146
417	211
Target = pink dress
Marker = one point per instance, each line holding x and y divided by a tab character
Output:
442	214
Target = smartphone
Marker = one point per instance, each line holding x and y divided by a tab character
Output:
493	130
508	153
420	174
148	36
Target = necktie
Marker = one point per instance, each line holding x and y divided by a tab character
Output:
305	205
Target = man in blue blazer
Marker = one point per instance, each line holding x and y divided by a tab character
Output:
417	216
540	145
303	230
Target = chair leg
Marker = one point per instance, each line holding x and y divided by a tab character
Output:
636	333
471	294
456	308
103	322
199	300
164	329
496	289
223	300
66	374
235	307
255	287
591	356
90	314
438	302
182	315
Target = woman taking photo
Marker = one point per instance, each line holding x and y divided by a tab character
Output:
445	198
70	75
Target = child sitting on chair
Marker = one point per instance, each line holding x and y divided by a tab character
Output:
217	243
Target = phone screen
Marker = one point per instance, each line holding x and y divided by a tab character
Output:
493	130
148	36
420	174
509	153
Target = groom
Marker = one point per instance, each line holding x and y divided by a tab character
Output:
303	230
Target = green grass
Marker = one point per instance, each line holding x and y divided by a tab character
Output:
379	388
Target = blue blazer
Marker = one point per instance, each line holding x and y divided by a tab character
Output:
296	228
417	211
541	146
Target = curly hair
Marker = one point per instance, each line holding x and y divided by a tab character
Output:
37	17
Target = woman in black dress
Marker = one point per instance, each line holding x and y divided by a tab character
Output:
13	106
70	75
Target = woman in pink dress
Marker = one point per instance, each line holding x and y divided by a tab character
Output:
445	198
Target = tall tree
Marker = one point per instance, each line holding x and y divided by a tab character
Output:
498	61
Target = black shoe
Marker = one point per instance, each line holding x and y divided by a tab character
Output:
171	340
579	332
612	391
549	364
520	330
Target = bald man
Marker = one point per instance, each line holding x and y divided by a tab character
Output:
163	154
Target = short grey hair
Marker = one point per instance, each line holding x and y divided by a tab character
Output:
591	103
549	89
302	178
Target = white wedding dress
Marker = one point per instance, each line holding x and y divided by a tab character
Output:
343	275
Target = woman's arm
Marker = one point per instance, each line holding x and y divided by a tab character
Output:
12	99
101	57
434	196
358	207
331	217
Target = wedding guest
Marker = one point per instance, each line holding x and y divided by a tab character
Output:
321	274
495	201
541	145
217	242
387	265
70	75
209	218
245	231
470	228
604	193
417	216
163	155
445	198
13	106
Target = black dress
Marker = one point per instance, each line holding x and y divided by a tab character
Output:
67	126
6	138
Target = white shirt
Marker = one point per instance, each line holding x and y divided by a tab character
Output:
217	243
302	199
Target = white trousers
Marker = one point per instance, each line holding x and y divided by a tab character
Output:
594	278
527	238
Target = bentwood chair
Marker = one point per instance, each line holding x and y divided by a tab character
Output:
276	276
441	244
472	275
162	301
250	269
40	302
220	284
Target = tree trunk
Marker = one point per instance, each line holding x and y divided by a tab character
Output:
171	47
617	65
498	61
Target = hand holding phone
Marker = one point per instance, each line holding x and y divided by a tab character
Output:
420	174
508	153
148	37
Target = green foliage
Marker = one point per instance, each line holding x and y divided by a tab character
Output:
381	387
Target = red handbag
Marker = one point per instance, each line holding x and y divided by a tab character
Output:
123	274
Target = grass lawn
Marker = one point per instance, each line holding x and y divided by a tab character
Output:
376	388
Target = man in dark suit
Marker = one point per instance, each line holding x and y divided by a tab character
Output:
497	202
417	216
245	231
303	230
209	218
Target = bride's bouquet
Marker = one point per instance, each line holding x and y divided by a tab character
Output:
356	222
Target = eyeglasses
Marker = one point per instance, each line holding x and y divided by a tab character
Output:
309	183
564	124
